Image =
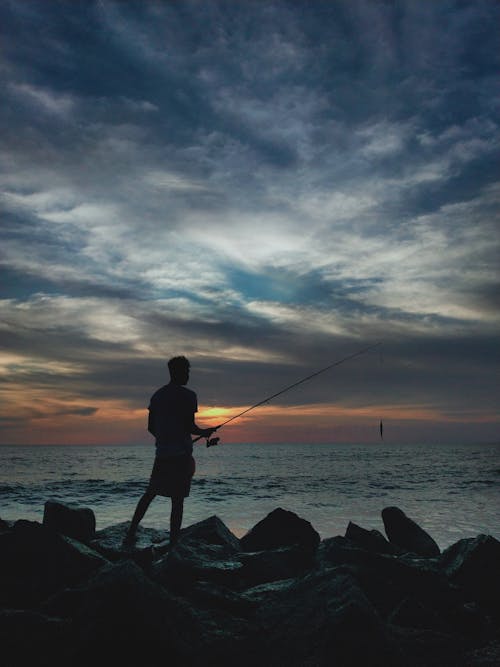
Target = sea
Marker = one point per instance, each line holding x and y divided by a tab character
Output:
451	490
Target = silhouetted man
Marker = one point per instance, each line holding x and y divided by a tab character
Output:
171	421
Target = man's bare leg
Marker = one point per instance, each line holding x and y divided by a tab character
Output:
140	511
176	519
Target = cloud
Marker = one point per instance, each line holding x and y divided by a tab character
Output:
262	187
44	100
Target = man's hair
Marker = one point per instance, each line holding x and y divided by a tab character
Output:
177	366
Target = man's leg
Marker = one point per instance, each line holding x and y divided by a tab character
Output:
176	518
140	511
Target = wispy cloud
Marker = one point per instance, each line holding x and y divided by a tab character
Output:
258	187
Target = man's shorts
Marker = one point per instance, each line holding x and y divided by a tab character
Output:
171	476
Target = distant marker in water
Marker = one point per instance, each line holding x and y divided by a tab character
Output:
381	430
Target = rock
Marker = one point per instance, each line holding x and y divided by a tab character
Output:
388	581
281	528
212	531
205	551
272	564
324	619
75	522
5	525
149	545
428	648
213	596
406	534
262	592
30	637
371	540
35	562
474	565
485	656
354	600
122	614
411	613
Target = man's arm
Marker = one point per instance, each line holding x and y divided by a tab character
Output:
150	423
194	429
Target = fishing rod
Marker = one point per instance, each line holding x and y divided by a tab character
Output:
215	441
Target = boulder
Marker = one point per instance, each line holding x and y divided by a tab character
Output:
484	656
75	522
474	565
5	525
30	637
260	567
389	580
281	528
205	551
262	593
324	619
408	535
120	613
212	531
35	562
411	613
371	540
149	545
354	600
209	595
428	648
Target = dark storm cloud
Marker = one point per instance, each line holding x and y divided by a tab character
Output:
265	187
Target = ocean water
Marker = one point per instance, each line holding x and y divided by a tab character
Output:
452	491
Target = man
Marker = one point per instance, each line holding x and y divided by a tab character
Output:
171	421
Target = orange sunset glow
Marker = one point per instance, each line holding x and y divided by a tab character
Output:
57	420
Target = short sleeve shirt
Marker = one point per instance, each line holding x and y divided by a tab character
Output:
172	409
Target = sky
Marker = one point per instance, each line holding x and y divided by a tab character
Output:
264	187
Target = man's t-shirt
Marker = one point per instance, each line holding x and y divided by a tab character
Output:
171	411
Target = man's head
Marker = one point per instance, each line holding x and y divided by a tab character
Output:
179	370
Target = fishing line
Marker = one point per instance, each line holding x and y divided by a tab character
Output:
291	386
381	426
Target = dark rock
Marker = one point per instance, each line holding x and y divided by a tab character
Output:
264	566
484	656
371	540
205	551
422	613
389	580
35	562
121	614
212	531
338	551
213	596
355	600
189	562
28	638
149	545
262	593
75	522
428	648
406	534
5	525
411	613
474	565
281	528
324	619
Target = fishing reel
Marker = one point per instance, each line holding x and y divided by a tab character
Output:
212	442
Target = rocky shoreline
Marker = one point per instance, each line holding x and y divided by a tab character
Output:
278	596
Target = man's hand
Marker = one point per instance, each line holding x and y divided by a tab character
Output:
207	432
